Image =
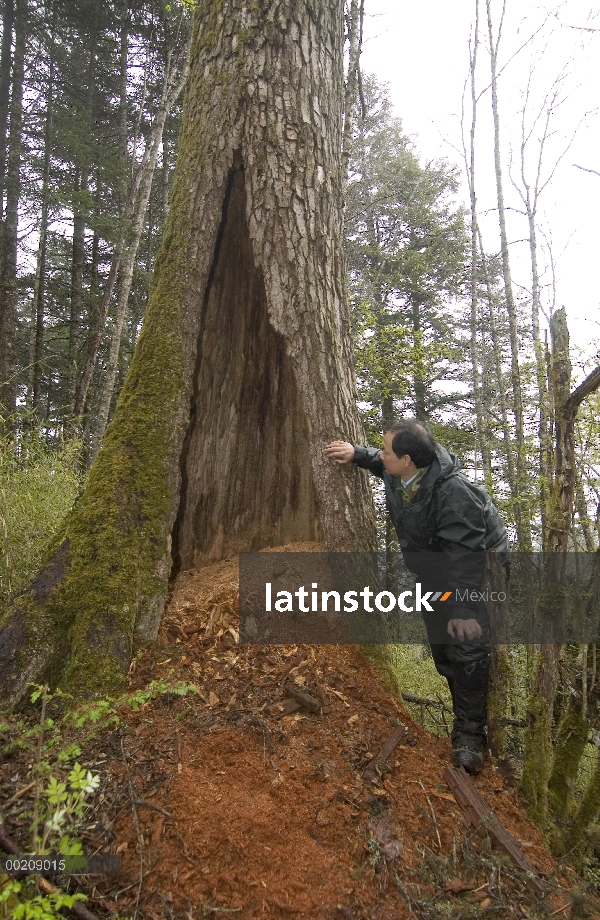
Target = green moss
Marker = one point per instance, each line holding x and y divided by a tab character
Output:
568	750
538	755
578	844
382	656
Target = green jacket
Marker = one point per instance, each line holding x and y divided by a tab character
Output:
449	515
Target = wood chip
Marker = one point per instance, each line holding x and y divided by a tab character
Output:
285	708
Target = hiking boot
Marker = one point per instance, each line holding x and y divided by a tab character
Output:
471	760
469	736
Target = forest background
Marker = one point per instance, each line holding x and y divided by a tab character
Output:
90	104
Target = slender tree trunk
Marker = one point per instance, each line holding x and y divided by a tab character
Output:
501	674
123	104
8	18
173	84
243	370
9	237
522	514
419	387
39	292
80	222
165	173
584	516
354	33
500	384
129	217
475	360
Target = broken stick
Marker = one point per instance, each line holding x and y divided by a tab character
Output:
392	742
305	699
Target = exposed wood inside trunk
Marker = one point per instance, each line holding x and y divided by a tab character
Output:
247	479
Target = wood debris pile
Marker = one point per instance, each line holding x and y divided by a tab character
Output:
290	783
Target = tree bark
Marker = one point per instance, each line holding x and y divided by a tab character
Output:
259	174
8	237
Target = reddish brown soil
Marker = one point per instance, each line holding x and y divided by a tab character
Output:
242	812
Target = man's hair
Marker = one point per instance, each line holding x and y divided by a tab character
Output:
412	437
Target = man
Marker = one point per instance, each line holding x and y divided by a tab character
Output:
436	510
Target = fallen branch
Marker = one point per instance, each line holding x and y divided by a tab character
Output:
163	811
435	824
424	701
18	795
484	819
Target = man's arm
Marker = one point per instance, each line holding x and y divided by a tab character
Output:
460	534
368	458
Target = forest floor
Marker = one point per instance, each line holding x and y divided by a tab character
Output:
225	803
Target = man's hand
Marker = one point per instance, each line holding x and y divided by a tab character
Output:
464	629
340	451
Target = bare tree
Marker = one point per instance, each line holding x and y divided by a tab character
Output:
521	512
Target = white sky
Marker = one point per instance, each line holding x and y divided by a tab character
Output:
421	49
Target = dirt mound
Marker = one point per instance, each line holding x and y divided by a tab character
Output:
237	800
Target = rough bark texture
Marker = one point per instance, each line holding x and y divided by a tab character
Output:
265	94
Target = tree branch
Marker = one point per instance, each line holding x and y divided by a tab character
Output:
585	169
589	385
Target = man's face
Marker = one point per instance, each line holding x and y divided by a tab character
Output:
397	466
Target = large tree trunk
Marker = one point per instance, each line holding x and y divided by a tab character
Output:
243	369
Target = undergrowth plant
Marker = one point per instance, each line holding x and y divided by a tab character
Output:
39	481
63	789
